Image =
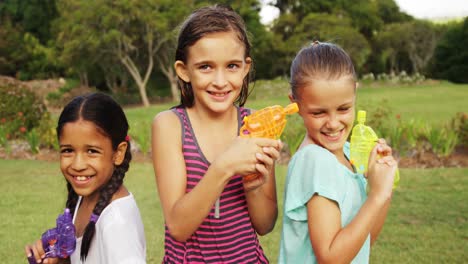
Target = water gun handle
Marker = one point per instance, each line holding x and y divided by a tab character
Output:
60	241
268	122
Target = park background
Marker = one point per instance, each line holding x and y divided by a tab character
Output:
413	76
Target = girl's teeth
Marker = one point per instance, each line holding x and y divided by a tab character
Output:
333	134
81	178
218	94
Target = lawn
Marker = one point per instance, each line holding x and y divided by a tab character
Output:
426	224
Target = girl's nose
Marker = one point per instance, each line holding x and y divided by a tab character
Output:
78	163
220	79
332	122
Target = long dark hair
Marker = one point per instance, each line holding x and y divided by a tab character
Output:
203	21
319	60
108	116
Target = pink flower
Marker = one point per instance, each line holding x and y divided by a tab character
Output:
22	129
20	113
3	120
398	116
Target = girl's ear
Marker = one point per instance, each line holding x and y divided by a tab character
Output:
181	70
291	98
119	155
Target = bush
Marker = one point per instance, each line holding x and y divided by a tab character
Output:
20	110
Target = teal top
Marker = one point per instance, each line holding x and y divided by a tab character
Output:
315	170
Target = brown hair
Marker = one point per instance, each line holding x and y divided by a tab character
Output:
319	60
203	21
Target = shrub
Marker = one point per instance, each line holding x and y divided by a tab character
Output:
47	132
460	124
443	140
20	109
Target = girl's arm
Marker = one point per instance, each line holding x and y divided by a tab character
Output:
331	242
184	212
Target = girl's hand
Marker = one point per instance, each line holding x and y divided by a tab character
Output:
37	251
246	156
381	171
264	167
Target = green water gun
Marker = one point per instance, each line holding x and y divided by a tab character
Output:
363	140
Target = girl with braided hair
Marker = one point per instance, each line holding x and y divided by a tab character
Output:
94	157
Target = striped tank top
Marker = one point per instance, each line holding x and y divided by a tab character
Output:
230	238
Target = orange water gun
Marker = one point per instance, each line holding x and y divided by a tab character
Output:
268	122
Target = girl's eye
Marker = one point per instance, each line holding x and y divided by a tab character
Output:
317	113
233	66
92	151
204	67
344	109
66	150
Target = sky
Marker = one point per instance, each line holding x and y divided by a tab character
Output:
423	9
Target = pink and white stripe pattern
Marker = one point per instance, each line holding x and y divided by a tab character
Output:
230	238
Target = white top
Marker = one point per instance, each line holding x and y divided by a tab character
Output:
119	236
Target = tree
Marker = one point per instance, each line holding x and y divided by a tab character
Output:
451	55
128	31
334	27
415	39
34	16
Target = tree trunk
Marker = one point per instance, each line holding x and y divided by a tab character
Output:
169	72
141	83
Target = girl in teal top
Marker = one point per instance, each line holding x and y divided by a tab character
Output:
328	216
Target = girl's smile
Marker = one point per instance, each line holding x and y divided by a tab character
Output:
327	108
86	157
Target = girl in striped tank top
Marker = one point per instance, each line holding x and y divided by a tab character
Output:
211	214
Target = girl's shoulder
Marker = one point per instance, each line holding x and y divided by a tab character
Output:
121	210
167	120
314	153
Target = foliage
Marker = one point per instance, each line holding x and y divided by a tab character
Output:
337	27
451	56
443	140
415	40
20	110
35	17
109	33
33	140
26	49
459	123
11	48
47	133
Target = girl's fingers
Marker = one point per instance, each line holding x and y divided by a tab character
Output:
273	153
382	148
266	142
264	161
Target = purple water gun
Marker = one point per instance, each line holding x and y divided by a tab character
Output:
59	242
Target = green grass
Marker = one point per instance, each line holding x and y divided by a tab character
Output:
426	224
